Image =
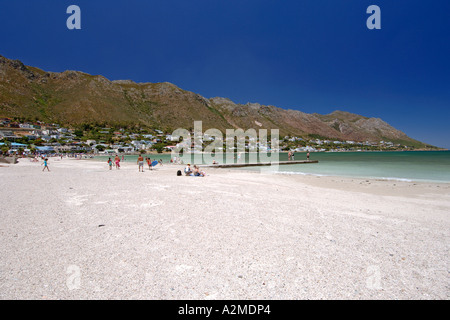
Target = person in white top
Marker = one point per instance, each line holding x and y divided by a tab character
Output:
187	170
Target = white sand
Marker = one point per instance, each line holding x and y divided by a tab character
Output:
84	232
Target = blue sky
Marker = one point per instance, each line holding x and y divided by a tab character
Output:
312	55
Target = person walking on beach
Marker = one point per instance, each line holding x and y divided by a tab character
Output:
110	163
140	162
45	164
117	162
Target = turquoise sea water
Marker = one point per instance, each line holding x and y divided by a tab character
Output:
414	166
408	165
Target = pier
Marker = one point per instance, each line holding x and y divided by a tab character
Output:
239	165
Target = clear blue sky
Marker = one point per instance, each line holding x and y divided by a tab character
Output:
311	55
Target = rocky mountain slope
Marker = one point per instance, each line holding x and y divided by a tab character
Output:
74	97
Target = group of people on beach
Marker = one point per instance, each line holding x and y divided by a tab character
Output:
116	162
196	172
140	162
188	171
291	156
150	163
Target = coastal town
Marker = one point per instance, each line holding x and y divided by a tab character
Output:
25	137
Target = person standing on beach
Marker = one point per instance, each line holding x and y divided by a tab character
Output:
45	164
292	156
117	162
140	162
307	156
110	163
289	155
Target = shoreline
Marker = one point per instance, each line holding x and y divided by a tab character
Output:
250	168
255	169
374	186
387	179
336	182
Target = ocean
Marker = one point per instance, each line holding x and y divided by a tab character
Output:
432	166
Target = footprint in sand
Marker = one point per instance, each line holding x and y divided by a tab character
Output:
289	259
158	187
211	296
145	205
151	204
77	200
183	268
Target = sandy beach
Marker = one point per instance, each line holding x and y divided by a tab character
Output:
82	231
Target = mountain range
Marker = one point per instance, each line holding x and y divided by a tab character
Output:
74	97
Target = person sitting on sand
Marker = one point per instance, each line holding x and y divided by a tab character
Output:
140	162
187	170
198	172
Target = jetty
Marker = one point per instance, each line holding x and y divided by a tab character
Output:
258	164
